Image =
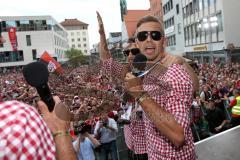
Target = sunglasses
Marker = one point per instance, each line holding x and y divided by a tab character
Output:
155	35
134	51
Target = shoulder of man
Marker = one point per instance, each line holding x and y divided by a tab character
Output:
174	59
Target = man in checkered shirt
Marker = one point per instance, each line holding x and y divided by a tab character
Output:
165	95
24	134
133	132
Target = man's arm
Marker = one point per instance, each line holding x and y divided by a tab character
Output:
164	121
94	141
104	51
113	125
224	122
112	67
59	128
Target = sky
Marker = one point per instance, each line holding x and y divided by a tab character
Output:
83	10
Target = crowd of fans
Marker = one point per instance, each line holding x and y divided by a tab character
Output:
85	89
211	112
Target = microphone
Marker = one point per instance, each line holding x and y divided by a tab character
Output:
36	74
139	64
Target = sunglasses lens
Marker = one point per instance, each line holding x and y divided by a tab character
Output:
142	36
126	52
135	51
156	35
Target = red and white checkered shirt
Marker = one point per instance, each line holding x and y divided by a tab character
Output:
134	134
23	133
138	134
172	90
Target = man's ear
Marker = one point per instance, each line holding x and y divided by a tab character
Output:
137	42
165	41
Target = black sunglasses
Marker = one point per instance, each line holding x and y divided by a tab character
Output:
134	51
155	35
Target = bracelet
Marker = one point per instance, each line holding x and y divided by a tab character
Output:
60	133
142	98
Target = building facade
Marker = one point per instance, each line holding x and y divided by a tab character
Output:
210	27
156	8
77	35
35	34
173	26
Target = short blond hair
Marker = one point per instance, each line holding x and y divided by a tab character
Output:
150	18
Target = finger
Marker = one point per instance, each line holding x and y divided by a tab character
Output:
56	100
43	107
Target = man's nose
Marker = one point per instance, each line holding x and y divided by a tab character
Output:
149	38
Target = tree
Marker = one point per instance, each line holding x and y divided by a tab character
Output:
75	57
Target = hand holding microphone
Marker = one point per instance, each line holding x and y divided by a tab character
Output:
133	81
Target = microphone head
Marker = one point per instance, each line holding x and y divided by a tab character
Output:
35	73
140	61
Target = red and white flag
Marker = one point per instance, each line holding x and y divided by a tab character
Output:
13	37
52	64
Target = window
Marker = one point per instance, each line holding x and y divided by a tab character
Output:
11	56
72	39
220	22
1	45
195	6
200	5
85	51
179	28
28	38
184	12
85	45
72	33
171	4
78	39
79	45
171	40
205	3
84	33
34	54
84	39
190	8
177	8
78	33
73	46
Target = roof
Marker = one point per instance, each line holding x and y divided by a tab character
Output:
131	19
73	22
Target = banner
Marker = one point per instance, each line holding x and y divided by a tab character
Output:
13	37
52	64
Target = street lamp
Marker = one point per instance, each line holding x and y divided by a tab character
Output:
208	24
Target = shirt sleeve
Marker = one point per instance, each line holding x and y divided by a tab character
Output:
75	144
113	124
113	68
180	96
90	143
96	128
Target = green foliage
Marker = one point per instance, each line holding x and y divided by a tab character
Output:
75	57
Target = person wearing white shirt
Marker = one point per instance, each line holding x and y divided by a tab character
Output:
84	146
107	130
